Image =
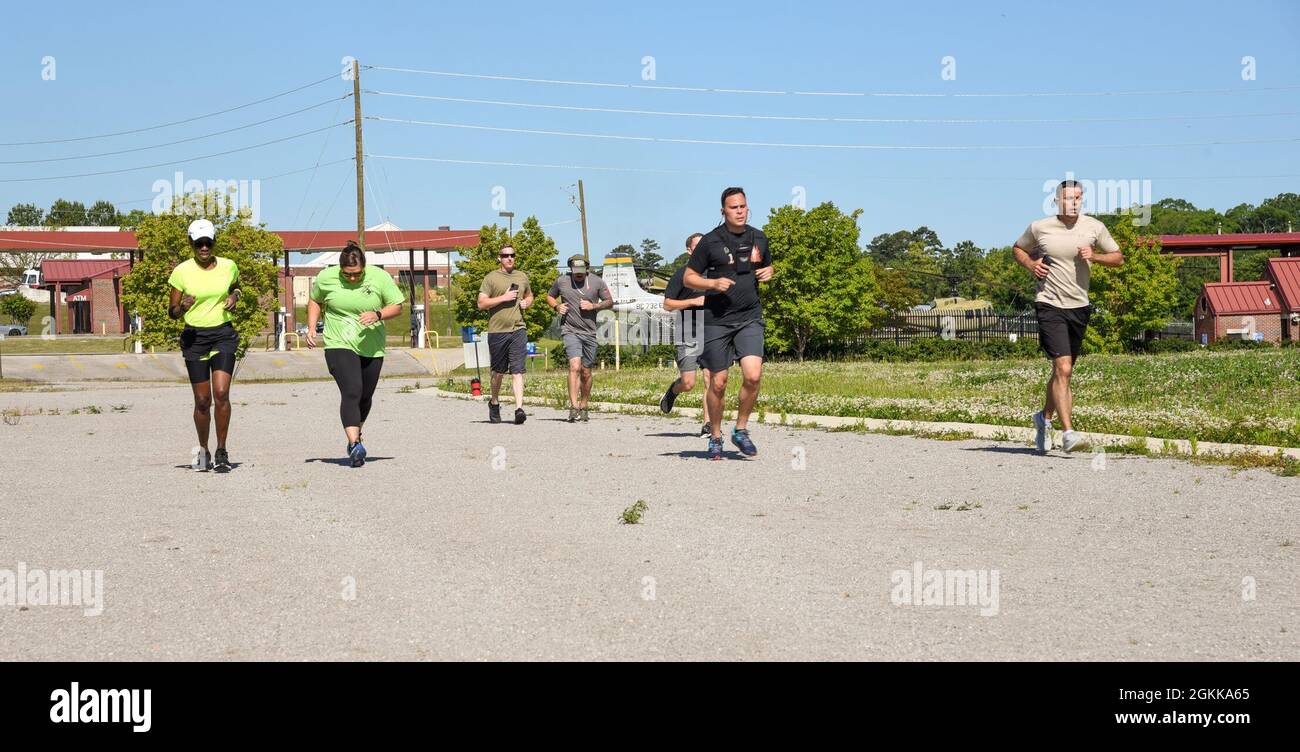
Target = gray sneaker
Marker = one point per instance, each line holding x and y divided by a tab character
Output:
1042	433
202	461
1072	440
573	414
582	415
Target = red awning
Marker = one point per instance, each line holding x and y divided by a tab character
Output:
1236	298
80	296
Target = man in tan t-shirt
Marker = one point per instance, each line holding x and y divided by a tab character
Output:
506	294
1060	251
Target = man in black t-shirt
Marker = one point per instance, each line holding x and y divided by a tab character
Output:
685	304
728	264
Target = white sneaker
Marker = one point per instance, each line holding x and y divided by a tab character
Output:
1072	440
1042	433
202	461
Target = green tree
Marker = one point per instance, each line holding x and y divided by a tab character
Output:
1136	298
824	289
132	219
676	264
649	257
535	255
960	265
1003	282
64	213
624	249
25	215
165	242
889	247
18	308
102	214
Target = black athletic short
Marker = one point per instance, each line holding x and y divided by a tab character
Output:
508	351
1060	330
725	344
207	349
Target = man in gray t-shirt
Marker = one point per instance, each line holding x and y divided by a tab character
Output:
577	296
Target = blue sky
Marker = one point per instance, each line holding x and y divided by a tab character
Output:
149	63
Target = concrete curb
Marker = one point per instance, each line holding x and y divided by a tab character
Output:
1016	434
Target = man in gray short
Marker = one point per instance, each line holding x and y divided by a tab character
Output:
577	296
686	305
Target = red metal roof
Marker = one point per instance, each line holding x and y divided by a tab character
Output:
1285	273
1240	240
1231	298
77	270
294	240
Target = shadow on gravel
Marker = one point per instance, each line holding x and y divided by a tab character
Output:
704	455
344	461
687	435
1017	450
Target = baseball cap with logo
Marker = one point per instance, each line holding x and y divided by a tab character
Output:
578	264
202	228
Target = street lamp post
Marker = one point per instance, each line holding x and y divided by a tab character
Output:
509	215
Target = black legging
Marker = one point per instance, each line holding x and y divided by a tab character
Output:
357	378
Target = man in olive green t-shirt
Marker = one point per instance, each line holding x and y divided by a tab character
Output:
506	294
1059	252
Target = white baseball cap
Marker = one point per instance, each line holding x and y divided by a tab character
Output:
202	228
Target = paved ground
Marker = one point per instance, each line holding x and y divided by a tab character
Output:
257	364
742	559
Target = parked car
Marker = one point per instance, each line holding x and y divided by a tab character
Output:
13	330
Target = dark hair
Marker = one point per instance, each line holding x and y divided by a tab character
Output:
1068	184
733	190
695	235
352	255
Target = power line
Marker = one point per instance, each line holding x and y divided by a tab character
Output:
181	141
932	178
175	161
810	118
489	163
174	122
792	145
709	89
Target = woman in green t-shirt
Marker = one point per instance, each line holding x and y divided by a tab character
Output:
355	300
204	292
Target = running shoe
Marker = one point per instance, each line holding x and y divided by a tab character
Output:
1072	440
573	414
357	454
202	461
494	412
519	416
705	430
666	401
740	437
715	448
222	462
1042	433
583	416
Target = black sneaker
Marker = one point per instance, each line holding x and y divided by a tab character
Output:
666	401
222	461
573	414
519	416
705	430
740	437
357	454
494	412
582	415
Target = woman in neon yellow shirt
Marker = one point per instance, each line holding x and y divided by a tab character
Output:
204	291
355	300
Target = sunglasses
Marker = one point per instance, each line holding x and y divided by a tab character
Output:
352	275
202	243
506	255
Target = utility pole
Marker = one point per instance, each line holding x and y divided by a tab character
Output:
582	209
356	118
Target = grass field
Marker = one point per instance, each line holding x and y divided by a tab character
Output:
1250	397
